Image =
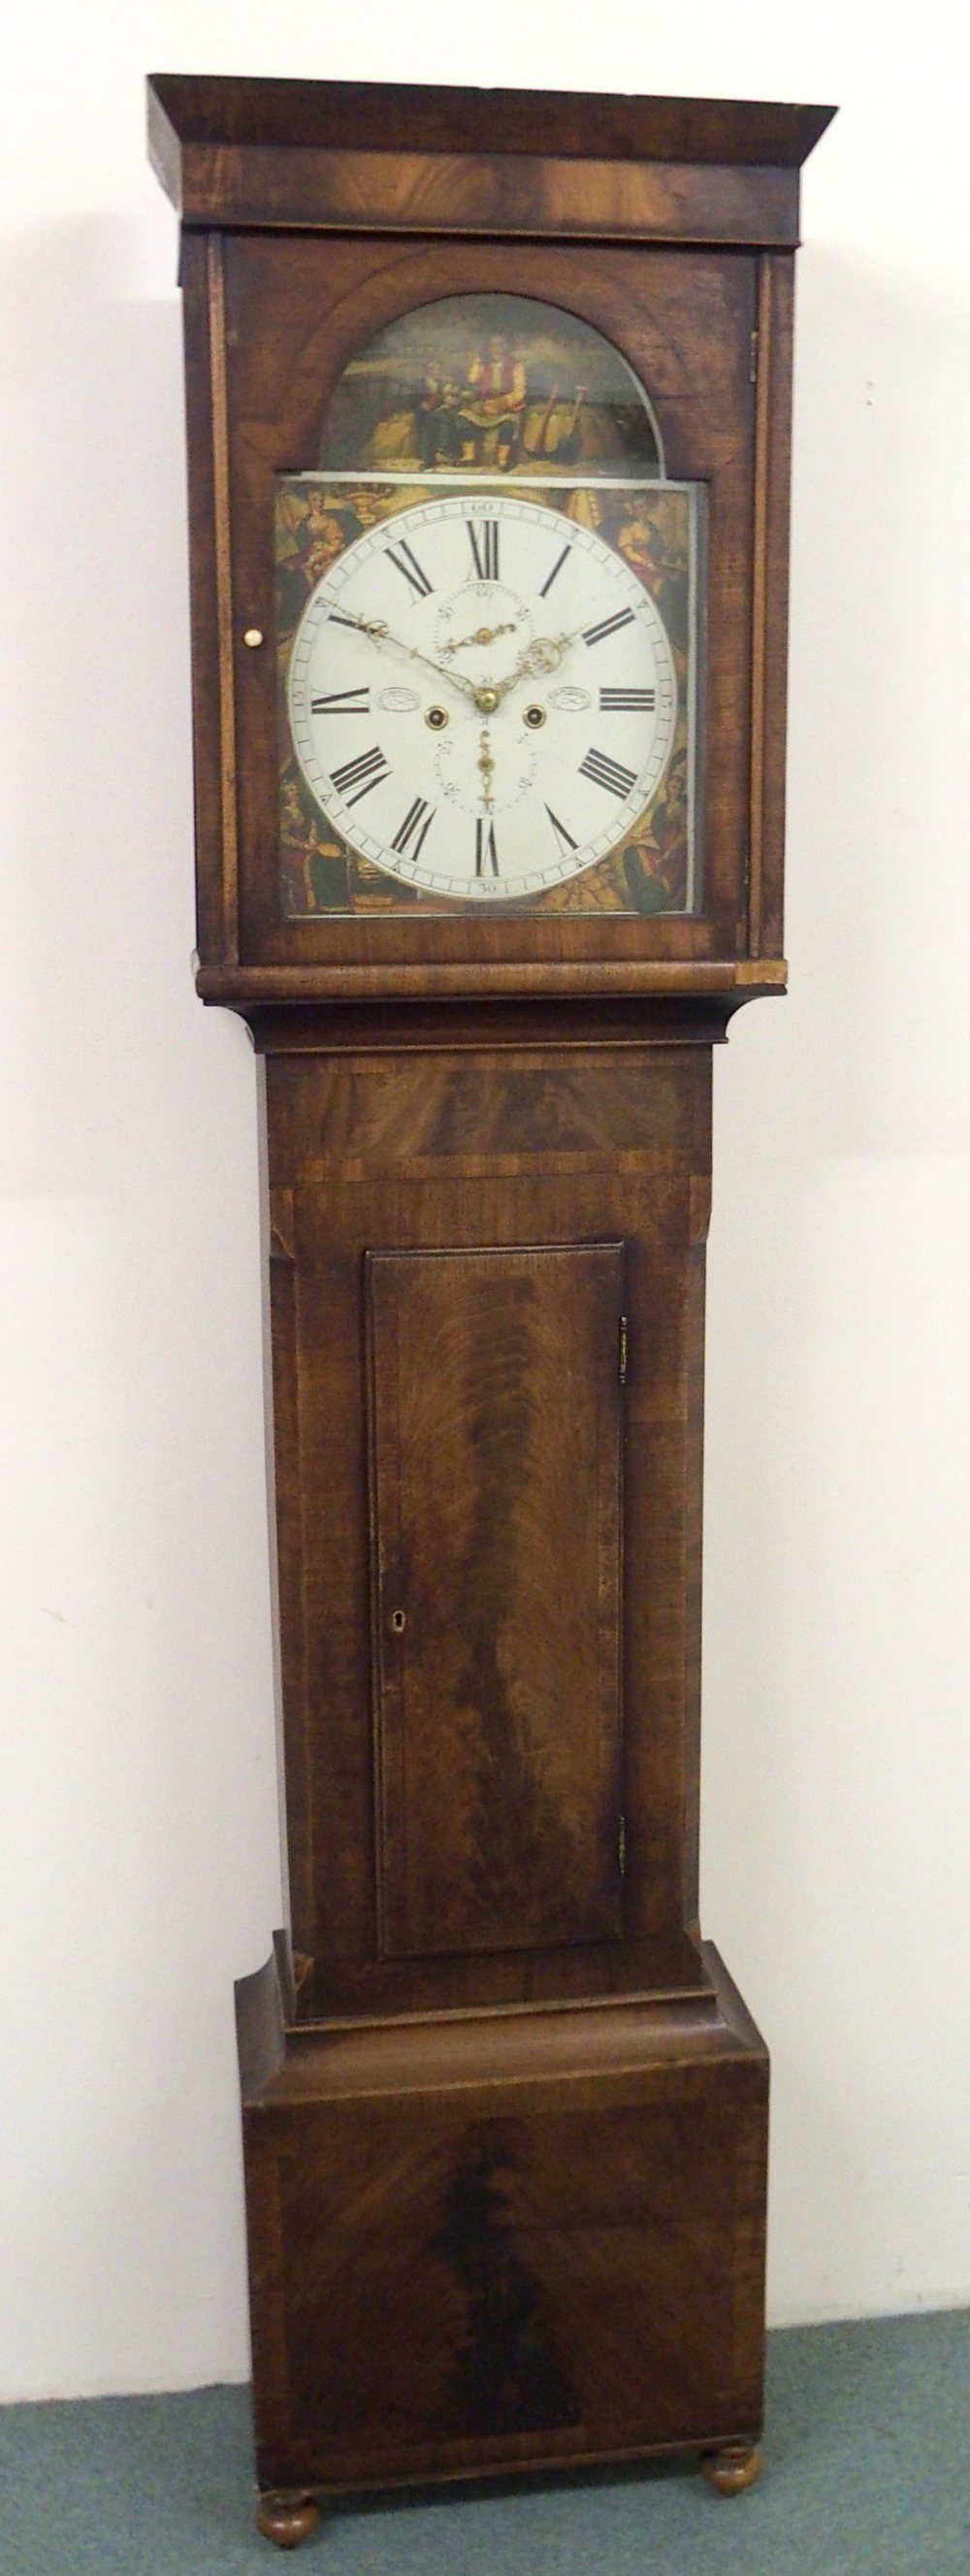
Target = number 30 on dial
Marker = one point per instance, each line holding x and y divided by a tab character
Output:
482	697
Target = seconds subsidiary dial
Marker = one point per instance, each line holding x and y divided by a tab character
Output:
482	697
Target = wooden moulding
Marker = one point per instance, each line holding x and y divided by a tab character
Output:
769	611
367	115
217	935
282	2061
224	594
436	193
245	987
766	921
462	1028
350	155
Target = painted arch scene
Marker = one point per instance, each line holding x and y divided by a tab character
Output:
490	384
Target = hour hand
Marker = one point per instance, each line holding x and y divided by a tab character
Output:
543	654
546	651
482	635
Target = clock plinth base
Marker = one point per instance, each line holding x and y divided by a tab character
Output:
287	2519
734	2467
504	2242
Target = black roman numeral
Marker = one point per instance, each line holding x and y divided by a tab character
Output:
342	702
406	562
486	854
610	626
483	540
564	838
607	773
557	567
418	819
362	774
636	701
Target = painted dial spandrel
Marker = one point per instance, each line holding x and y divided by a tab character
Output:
486	696
482	698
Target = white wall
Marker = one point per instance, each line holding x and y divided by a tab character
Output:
140	1872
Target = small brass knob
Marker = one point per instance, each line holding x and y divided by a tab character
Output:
253	637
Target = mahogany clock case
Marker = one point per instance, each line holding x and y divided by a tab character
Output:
505	2116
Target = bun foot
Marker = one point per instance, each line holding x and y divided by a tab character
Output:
287	2519
736	2466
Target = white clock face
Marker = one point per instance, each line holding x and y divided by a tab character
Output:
482	697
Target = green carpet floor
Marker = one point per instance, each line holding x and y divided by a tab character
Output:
867	2474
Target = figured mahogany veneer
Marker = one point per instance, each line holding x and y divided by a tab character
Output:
519	2241
504	2115
495	1421
362	156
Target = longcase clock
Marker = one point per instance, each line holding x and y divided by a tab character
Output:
488	413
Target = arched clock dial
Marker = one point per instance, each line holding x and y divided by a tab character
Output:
482	697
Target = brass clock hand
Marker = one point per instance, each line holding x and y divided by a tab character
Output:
543	654
546	651
487	766
380	633
482	635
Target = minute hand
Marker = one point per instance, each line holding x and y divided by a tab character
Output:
381	634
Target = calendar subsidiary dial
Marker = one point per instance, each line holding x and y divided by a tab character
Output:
482	697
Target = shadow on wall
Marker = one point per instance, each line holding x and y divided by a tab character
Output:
96	689
135	1546
837	1620
878	907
